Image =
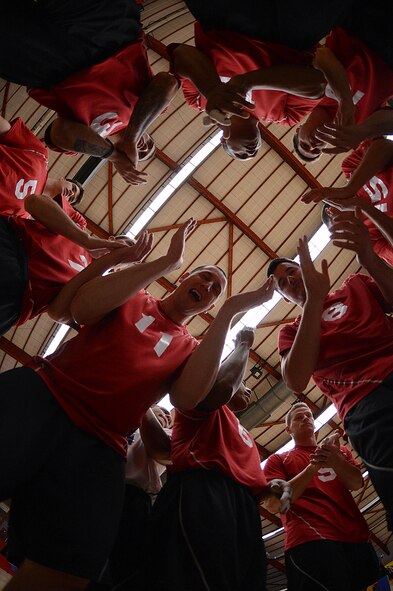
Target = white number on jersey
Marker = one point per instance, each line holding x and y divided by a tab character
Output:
102	126
326	474
377	191
24	188
165	340
356	97
77	266
245	435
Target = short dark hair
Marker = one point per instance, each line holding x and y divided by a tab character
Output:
81	191
295	141
275	262
294	407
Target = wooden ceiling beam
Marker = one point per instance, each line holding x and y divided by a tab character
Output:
15	352
221	207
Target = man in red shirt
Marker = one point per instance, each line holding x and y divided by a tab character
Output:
119	97
344	341
205	530
39	256
23	171
73	414
326	537
240	81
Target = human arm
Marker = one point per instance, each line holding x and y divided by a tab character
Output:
60	307
101	295
379	156
328	454
201	370
76	137
349	137
4	125
274	469
155	439
156	97
299	362
46	211
191	63
336	77
278	496
230	373
352	234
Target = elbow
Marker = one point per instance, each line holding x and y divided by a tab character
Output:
295	382
357	483
32	204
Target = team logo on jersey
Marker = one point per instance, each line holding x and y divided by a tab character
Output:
334	312
78	266
377	191
163	343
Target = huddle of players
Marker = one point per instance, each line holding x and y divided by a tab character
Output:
48	266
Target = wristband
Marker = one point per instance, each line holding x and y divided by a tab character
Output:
110	150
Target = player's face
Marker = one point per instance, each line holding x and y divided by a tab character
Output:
241	399
164	419
69	190
201	289
290	282
244	138
302	421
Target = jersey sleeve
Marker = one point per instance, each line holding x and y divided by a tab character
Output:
20	136
286	337
274	468
191	94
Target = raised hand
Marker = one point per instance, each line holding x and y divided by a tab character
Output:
341	138
136	252
245	335
283	491
349	204
326	194
224	101
316	283
176	248
352	234
126	163
244	301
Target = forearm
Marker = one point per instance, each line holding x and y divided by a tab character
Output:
156	441
201	370
191	63
383	222
299	363
378	124
100	296
60	308
46	211
378	157
77	137
334	73
299	484
350	475
382	273
302	81
160	92
229	378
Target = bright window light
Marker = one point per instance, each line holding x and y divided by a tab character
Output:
273	533
58	335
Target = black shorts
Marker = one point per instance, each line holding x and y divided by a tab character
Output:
325	565
369	427
13	276
298	24
205	534
42	42
66	486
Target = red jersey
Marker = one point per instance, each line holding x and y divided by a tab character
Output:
379	192
356	342
23	170
53	260
370	79
104	95
216	441
107	376
326	510
232	54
